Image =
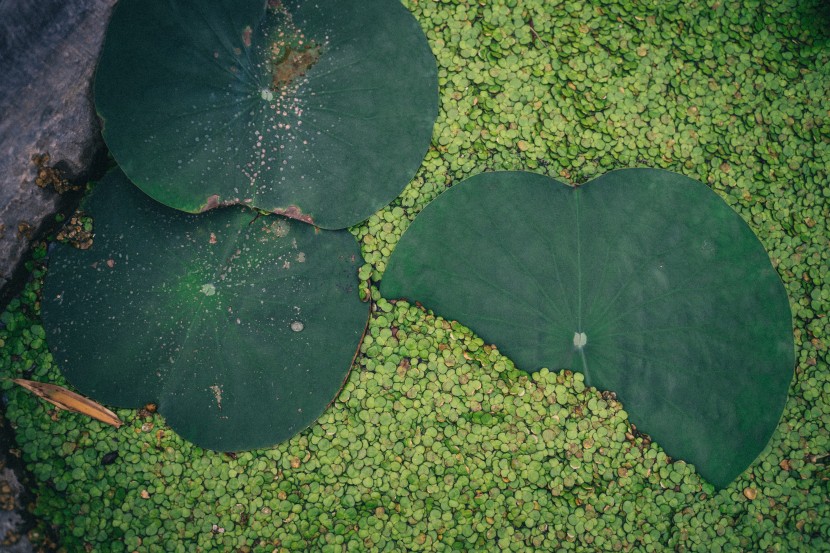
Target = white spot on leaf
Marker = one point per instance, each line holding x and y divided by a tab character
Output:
217	394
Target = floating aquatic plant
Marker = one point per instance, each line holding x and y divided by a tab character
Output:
643	280
241	328
320	111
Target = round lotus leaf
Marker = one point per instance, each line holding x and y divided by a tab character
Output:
643	280
320	111
240	328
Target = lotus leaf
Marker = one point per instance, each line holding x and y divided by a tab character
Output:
643	280
240	328
321	111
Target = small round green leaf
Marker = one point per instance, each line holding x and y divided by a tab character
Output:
320	111
642	279
241	328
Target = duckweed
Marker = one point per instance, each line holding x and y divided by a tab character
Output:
437	442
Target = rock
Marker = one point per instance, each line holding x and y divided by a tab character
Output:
15	520
12	539
48	51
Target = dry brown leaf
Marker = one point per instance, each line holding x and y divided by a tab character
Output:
69	401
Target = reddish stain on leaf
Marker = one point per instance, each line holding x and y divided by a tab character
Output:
294	212
211	203
290	64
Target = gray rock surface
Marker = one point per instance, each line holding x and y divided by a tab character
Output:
48	51
12	522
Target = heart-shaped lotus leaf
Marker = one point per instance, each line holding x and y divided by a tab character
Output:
321	111
642	279
241	329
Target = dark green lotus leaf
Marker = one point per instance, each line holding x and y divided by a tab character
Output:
321	111
643	280
241	329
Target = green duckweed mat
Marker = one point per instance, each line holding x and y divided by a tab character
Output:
438	442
